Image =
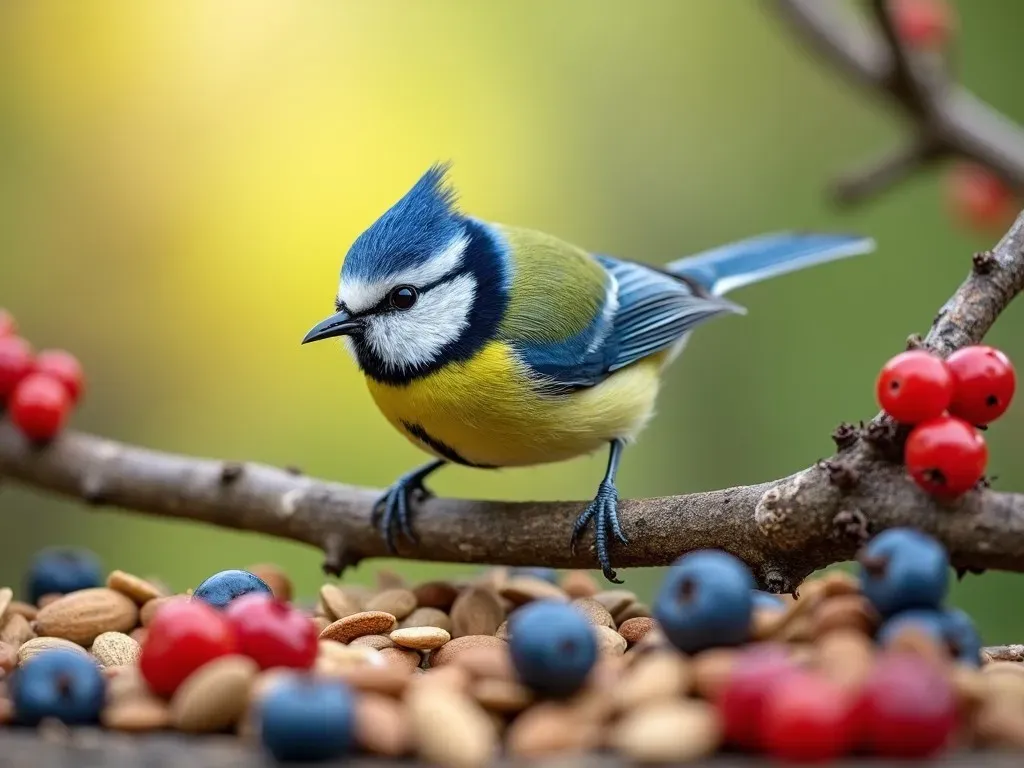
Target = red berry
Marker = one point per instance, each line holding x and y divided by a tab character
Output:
8	326
15	363
907	708
979	198
923	23
914	386
983	384
39	407
945	456
741	702
64	367
183	636
808	719
272	633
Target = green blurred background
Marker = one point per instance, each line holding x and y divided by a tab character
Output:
179	182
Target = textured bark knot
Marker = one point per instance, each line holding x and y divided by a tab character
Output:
984	262
851	525
840	474
845	436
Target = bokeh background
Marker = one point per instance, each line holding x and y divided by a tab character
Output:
179	182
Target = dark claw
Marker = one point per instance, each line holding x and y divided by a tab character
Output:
394	509
603	511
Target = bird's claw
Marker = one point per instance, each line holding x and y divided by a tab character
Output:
603	510
393	509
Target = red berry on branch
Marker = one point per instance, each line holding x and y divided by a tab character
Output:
914	386
65	368
946	456
8	325
39	407
272	633
979	198
15	363
923	23
983	384
183	636
808	719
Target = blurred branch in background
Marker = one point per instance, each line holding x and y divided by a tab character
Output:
947	121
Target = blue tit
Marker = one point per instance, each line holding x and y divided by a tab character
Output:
490	345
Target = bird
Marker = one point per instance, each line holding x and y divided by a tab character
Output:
490	346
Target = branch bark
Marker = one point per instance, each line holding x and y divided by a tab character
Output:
783	529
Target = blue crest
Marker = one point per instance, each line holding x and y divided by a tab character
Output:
411	231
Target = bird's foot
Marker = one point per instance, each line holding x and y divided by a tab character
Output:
392	511
603	510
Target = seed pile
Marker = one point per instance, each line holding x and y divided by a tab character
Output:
524	662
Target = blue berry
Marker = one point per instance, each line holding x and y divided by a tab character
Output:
705	601
544	574
962	636
902	568
768	601
61	684
303	718
221	588
59	570
926	620
553	647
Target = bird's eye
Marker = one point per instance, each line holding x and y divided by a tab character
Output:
403	297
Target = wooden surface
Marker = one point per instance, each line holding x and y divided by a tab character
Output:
21	748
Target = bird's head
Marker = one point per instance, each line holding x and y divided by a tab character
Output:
422	287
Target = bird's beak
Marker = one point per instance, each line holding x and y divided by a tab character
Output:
339	324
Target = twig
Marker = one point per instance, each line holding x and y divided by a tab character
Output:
947	121
783	529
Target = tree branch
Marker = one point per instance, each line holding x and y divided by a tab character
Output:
783	529
947	121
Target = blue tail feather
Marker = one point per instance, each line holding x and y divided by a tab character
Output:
749	261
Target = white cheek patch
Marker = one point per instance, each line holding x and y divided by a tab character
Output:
359	295
402	340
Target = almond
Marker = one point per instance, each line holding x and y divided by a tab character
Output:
839	583
609	642
16	630
275	578
398	602
633	611
436	594
420	638
150	608
382	726
487	661
525	589
579	584
615	600
39	644
320	623
634	630
333	657
668	732
476	611
336	604
427	617
658	676
377	642
6	598
451	676
711	670
551	728
450	729
48	598
402	657
139	590
126	685
845	612
115	649
358	624
8	658
845	656
502	696
82	616
387	680
388	579
143	714
596	613
502	631
450	650
214	697
27	610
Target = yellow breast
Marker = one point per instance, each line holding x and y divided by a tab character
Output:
485	411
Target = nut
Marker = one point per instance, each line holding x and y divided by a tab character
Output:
6	598
525	589
275	578
115	649
82	616
146	713
668	732
333	657
427	617
377	642
8	658
476	611
846	657
657	676
711	670
402	657
382	726
450	650
487	661
37	645
336	603
502	696
388	579
844	612
450	729
126	685
596	613
150	608
551	728
346	629
502	631
138	590
387	680
398	602
609	642
615	600
633	611
436	594
634	630
27	610
16	630
214	697
451	676
579	584
420	638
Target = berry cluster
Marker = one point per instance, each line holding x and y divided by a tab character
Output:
944	401
38	391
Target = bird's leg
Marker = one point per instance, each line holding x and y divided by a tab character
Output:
392	510
603	510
